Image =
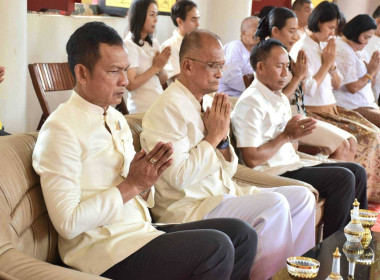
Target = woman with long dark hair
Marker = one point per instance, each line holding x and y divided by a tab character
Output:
281	24
323	76
146	73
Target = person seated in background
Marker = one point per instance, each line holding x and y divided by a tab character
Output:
323	76
2	73
198	185
98	190
185	17
372	46
238	74
327	139
357	68
146	72
267	136
303	9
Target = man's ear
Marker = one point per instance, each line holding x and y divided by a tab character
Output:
259	67
179	21
81	74
186	67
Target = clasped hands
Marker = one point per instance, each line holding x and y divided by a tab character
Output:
217	119
145	169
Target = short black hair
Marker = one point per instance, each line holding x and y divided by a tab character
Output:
83	45
180	10
358	25
276	18
376	13
265	11
261	51
324	12
137	16
299	3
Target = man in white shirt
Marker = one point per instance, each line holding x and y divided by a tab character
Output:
303	9
98	190
198	185
185	16
267	135
239	73
372	46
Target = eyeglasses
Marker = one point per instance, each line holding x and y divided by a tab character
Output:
215	66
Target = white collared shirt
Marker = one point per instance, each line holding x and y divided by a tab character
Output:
352	67
80	163
237	65
172	67
141	58
200	176
259	116
313	95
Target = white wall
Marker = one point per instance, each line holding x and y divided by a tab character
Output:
351	8
47	38
13	57
224	17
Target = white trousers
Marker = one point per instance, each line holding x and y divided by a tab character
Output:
284	219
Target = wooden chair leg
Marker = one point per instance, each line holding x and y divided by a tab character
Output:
42	120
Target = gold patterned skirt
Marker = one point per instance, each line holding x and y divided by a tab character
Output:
367	135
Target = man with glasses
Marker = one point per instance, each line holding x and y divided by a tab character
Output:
198	185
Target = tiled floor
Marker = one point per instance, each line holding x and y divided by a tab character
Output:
375	207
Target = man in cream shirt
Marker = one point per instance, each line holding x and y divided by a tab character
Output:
198	185
185	16
97	189
267	136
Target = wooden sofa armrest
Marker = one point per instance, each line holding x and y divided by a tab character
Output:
18	265
248	176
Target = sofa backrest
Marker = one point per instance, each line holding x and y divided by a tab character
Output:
24	221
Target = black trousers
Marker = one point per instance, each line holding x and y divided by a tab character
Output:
340	183
209	249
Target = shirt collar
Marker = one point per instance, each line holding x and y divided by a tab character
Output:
177	35
189	95
311	43
84	105
273	97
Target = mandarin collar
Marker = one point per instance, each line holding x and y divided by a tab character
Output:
177	35
274	97
189	95
86	106
312	43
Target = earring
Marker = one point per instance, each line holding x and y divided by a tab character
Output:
141	42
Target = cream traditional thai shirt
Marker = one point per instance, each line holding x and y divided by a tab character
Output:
80	164
199	177
172	67
259	116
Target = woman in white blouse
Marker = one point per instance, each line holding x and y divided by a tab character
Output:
320	102
145	74
357	68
